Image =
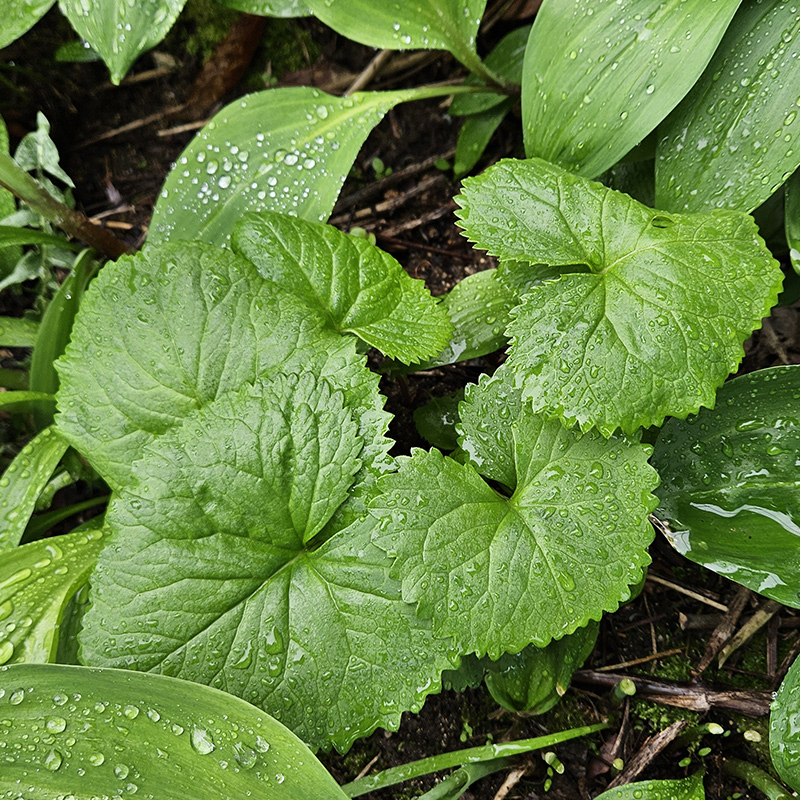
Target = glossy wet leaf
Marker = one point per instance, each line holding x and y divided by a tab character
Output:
405	24
19	17
650	310
213	537
733	140
599	77
784	725
499	572
730	488
271	8
164	332
102	732
475	134
23	481
286	150
792	219
536	678
38	152
690	788
120	31
18	332
358	287
436	420
36	582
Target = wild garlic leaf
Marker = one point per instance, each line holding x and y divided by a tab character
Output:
690	788
475	134
120	31
293	150
651	309
36	582
109	733
783	744
599	77
270	8
21	17
213	536
732	141
730	488
358	287
164	332
499	572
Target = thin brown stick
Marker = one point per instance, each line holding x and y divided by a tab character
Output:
648	751
370	71
757	621
688	592
431	216
725	628
643	660
512	779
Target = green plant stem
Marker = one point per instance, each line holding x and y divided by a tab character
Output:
17	181
756	777
424	766
456	783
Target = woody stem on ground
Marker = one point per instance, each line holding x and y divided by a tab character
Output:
19	183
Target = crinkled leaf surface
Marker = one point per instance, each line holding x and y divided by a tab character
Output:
730	488
599	77
271	8
690	788
498	573
358	287
110	733
164	332
285	150
651	309
784	728
36	582
19	17
208	578
733	140
118	30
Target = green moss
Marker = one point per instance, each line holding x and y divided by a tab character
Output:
286	46
200	27
653	717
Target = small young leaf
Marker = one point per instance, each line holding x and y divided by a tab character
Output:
97	733
213	536
690	788
498	573
23	481
20	17
358	287
474	136
164	332
37	151
729	143
581	112
294	148
36	582
651	309
436	420
120	31
730	489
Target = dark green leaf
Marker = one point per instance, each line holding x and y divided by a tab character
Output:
792	219
120	31
8	206
784	725
598	77
730	488
36	582
475	134
436	420
359	288
110	733
12	235
498	573
659	304
209	579
690	788
19	17
729	143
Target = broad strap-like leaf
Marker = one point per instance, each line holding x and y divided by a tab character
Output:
271	8
208	577
732	142
19	17
475	134
496	572
730	487
23	481
36	582
783	727
87	733
118	30
358	287
9	254
18	332
651	309
792	219
164	332
286	150
599	77
690	788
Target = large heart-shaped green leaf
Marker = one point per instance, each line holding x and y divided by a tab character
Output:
164	332
598	77
209	578
118	30
730	488
784	728
286	150
358	287
733	140
496	572
18	17
650	310
36	582
88	733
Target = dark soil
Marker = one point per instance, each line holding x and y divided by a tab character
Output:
118	176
